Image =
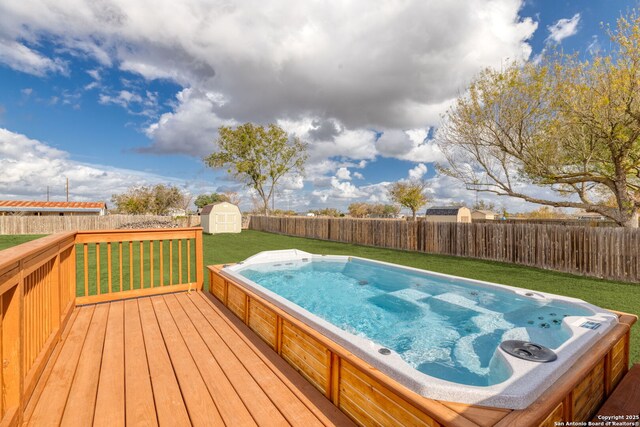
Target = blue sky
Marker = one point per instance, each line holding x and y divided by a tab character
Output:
114	93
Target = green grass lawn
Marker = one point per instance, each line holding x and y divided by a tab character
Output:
227	248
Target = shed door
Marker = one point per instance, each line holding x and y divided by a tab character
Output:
225	222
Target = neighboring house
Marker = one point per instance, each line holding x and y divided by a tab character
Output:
177	212
21	207
222	217
591	216
448	214
481	214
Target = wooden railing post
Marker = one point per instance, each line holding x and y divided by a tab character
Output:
12	350
199	259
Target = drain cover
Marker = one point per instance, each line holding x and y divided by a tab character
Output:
528	351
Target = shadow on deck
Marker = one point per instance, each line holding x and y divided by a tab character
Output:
174	359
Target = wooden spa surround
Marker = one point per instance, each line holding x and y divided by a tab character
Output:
370	397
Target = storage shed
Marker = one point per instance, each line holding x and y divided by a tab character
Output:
448	214
482	214
223	217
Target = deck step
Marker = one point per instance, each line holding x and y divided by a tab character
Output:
625	399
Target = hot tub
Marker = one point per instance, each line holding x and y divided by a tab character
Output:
437	335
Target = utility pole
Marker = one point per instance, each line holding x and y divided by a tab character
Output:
47	193
67	189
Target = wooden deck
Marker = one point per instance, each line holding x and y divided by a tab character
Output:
175	359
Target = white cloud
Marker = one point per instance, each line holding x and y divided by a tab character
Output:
563	28
145	104
334	73
95	74
339	193
418	171
29	166
191	128
272	61
343	174
22	58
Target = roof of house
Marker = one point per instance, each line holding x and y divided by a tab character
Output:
482	211
208	208
444	210
24	205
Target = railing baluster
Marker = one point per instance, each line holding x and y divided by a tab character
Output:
109	265
141	243
151	262
120	264
161	263
28	321
130	265
98	269
180	261
34	311
86	269
171	262
188	241
38	311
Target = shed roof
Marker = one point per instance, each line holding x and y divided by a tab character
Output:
208	208
30	206
444	210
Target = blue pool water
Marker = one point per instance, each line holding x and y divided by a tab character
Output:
445	328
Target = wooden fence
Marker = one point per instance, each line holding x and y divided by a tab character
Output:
604	252
56	224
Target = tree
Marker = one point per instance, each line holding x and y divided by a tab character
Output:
390	211
156	200
482	205
409	194
358	209
332	212
380	210
206	199
545	212
259	156
568	125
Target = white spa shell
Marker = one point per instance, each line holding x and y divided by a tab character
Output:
528	379
221	217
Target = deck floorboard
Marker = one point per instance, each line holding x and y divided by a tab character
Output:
175	359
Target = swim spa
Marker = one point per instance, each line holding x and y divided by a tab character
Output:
437	335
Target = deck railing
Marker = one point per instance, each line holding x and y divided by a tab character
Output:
122	264
42	281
